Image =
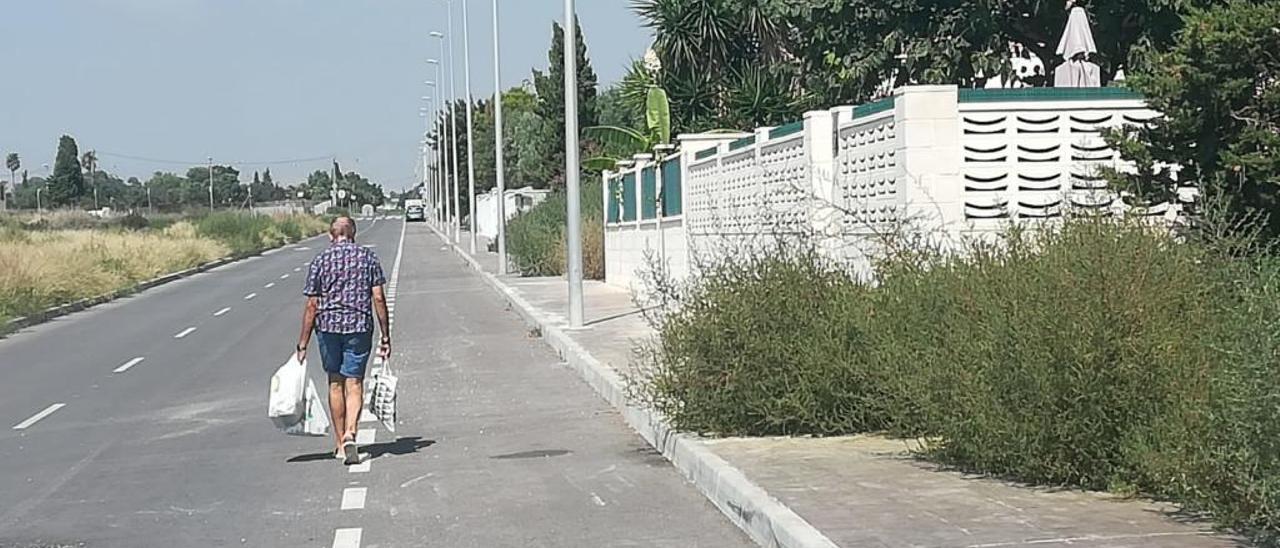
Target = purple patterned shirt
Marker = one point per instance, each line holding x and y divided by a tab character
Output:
343	277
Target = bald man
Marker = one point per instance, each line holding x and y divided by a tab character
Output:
344	291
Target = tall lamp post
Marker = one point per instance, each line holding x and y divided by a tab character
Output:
498	161
571	165
453	129
437	207
471	136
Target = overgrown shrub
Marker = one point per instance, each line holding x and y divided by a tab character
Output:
247	233
134	221
1103	355
536	240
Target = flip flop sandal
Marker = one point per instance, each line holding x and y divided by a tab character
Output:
350	450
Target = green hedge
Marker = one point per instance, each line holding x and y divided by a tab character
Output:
1101	356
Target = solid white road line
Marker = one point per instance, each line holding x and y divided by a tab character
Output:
269	286
36	417
185	332
353	498
347	538
128	365
221	312
250	296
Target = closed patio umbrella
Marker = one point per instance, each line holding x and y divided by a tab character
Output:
1075	47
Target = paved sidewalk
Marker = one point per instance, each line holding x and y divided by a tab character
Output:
869	491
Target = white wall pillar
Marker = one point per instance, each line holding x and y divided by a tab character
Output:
928	123
825	218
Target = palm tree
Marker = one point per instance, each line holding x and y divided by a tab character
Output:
14	163
90	161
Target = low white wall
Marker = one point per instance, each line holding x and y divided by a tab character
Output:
632	248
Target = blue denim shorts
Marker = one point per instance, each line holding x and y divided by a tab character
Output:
345	354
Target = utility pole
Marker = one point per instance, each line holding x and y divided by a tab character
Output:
211	183
498	162
471	135
571	164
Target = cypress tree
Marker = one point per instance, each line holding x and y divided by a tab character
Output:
67	184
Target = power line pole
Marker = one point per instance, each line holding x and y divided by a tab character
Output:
498	163
211	183
571	164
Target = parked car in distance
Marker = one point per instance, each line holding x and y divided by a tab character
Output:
414	210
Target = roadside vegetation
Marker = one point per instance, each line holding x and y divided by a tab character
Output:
537	240
1104	356
1101	354
61	257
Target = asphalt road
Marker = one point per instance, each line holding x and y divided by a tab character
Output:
142	423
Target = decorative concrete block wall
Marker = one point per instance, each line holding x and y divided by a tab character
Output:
934	159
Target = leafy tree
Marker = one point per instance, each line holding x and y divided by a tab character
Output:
750	62
227	191
1218	88
266	177
67	184
550	93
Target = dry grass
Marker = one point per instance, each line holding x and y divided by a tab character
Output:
40	269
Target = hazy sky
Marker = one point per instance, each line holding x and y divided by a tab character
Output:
253	81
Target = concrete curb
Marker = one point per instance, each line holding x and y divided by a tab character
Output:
49	314
765	519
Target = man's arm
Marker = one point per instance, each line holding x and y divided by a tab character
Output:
384	322
308	325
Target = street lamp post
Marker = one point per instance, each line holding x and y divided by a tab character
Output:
471	136
571	165
436	175
498	163
453	128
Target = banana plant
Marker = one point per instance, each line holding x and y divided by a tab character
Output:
620	143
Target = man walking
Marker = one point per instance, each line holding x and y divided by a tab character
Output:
344	290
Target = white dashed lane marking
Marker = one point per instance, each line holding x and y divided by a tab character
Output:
365	436
128	365
36	417
284	276
353	498
360	468
221	312
347	538
297	269
269	286
185	332
250	296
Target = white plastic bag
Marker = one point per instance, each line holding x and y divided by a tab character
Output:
315	418
285	405
383	403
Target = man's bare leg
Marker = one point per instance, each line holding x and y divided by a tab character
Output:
337	408
355	400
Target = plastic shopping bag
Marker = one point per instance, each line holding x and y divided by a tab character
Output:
315	419
286	405
383	404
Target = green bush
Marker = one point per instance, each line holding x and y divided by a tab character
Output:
536	240
1103	355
